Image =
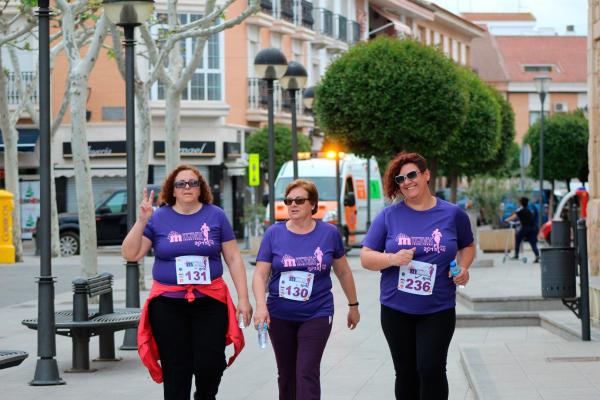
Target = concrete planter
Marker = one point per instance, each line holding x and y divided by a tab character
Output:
496	240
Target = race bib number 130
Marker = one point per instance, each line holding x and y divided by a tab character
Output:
296	285
417	277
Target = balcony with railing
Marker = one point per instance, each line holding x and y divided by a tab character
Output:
266	6
12	91
341	27
324	21
354	32
282	103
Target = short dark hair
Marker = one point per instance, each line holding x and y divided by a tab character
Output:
166	193
390	187
524	201
311	189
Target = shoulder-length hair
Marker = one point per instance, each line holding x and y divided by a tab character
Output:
311	189
390	187
166	192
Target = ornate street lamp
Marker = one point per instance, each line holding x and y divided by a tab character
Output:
294	79
270	64
46	368
542	83
129	14
309	97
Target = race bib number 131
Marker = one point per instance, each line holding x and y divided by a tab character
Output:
417	277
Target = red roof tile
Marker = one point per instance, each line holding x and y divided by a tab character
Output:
568	55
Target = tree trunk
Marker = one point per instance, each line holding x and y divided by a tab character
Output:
568	182
453	186
142	150
11	164
172	126
433	174
83	180
551	201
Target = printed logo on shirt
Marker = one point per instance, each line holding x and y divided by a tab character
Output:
312	263
199	238
428	243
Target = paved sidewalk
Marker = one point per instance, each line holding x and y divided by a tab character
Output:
517	362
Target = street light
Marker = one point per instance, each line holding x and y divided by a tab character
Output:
270	64
309	97
542	84
336	154
46	368
129	14
294	79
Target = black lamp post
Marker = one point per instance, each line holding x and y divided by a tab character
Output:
294	79
129	14
270	64
541	84
46	368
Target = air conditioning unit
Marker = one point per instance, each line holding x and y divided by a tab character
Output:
561	107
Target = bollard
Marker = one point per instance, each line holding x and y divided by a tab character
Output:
7	248
584	301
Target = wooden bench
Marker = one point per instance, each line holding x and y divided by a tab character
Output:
81	324
11	358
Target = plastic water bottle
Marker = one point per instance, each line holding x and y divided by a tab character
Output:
263	336
455	270
241	321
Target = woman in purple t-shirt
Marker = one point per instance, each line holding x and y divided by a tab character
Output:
412	243
299	254
189	235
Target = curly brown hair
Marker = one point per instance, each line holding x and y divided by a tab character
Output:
311	189
390	187
166	192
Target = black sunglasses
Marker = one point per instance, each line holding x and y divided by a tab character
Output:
412	175
193	183
298	200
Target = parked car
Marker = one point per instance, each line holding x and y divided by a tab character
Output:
111	222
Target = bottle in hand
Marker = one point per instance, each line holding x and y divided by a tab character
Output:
263	336
455	270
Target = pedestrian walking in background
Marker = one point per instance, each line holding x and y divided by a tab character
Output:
528	229
298	254
189	316
412	243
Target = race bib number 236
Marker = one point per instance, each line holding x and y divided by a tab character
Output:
417	277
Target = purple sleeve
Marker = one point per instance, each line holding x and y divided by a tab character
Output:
464	234
226	229
265	252
149	230
375	238
338	246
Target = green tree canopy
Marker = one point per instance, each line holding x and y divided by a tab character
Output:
477	140
388	95
258	142
506	161
565	146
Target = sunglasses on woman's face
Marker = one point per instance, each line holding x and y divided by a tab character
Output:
412	175
193	183
298	200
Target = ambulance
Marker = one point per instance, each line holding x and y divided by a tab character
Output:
353	194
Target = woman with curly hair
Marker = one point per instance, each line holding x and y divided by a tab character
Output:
412	243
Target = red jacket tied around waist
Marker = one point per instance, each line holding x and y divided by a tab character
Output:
147	348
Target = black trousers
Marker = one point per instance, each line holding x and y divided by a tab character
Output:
419	346
191	342
531	236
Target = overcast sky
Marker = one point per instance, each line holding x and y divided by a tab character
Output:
549	13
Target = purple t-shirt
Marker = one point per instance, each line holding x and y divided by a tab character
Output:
174	235
313	252
437	234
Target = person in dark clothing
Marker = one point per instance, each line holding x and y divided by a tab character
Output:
528	228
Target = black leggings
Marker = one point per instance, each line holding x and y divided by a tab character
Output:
419	346
191	342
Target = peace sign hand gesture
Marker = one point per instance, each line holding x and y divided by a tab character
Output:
146	206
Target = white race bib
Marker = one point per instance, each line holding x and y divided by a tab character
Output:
296	285
417	277
193	270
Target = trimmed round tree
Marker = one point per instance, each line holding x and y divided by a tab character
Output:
503	163
477	140
258	142
389	95
565	147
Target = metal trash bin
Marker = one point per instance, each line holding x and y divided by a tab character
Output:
561	234
558	272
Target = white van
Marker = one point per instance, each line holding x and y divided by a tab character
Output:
353	174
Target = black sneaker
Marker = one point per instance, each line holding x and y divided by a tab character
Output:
514	258
537	260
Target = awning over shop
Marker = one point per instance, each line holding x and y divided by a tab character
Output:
394	19
28	138
109	172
